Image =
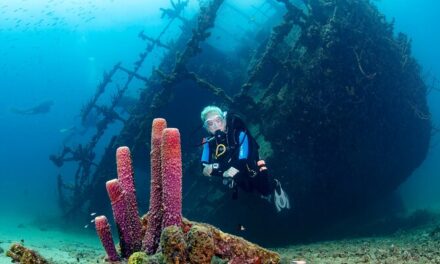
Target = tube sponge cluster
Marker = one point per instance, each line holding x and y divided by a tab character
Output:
122	194
180	240
165	198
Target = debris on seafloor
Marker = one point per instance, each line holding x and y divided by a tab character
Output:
23	255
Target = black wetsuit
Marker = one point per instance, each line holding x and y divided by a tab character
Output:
237	148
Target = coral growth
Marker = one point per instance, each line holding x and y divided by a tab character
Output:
20	254
181	241
202	244
173	244
198	243
144	258
204	239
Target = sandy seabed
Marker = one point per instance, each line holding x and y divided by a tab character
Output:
420	245
58	245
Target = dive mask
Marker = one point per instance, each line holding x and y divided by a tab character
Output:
214	122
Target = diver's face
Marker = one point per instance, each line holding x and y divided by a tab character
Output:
214	122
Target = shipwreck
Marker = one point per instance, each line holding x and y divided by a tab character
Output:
332	94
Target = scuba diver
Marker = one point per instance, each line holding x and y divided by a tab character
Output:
231	153
42	108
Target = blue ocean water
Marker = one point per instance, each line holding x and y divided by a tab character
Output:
58	50
418	19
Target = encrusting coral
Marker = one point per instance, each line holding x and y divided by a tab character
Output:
181	240
202	244
173	244
20	254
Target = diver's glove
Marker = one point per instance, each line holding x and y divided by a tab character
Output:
228	177
212	170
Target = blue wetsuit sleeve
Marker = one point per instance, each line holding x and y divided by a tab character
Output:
205	153
243	152
241	158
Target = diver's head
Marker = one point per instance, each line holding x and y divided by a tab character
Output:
213	119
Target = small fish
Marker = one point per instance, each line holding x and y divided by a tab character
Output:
241	227
66	129
92	214
86	226
92	221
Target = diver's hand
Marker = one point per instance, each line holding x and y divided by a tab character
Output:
230	173
207	170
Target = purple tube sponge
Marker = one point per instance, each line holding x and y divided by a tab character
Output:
105	235
152	235
126	180
121	215
171	178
